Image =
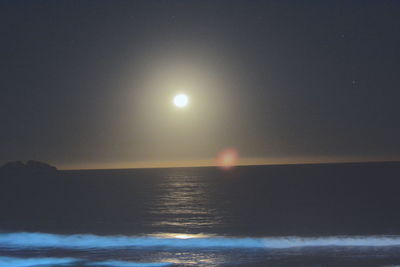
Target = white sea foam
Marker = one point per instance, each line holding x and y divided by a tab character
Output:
23	240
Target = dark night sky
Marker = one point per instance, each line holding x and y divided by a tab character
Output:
87	83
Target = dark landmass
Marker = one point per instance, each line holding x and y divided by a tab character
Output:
320	199
29	168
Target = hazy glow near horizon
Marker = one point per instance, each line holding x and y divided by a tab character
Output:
227	158
181	100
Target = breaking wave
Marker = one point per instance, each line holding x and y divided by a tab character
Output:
113	263
32	262
28	262
24	240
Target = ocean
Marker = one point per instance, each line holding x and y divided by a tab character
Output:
283	215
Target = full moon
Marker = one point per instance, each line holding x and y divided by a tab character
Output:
181	100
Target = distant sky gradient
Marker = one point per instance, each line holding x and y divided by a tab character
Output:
89	84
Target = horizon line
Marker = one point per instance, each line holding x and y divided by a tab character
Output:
211	163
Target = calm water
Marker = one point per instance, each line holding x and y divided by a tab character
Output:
310	215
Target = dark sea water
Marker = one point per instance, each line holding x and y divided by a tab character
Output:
296	215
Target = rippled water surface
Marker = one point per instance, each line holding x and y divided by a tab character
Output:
321	215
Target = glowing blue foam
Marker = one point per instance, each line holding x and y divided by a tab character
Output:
32	262
130	264
24	240
28	262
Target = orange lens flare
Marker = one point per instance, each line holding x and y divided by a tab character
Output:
227	158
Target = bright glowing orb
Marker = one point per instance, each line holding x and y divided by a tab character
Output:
181	100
